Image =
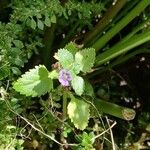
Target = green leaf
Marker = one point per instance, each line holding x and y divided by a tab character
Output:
16	71
18	43
65	58
85	59
33	24
76	68
15	51
72	47
53	19
39	16
79	113
34	83
28	22
4	71
53	74
88	89
40	24
66	131
78	85
121	48
19	62
87	140
69	12
47	21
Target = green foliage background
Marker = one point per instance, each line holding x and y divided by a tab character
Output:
31	32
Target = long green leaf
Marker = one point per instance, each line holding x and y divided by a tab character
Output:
126	57
121	24
105	20
122	48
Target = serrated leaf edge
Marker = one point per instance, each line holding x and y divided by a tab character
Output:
76	125
22	76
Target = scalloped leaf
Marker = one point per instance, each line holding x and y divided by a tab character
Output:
78	85
72	47
65	58
85	59
76	68
34	83
79	113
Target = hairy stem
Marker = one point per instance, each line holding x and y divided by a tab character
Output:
64	105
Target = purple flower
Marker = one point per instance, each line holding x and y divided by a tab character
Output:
64	77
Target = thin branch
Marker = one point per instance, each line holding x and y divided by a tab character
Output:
35	128
96	112
111	134
27	136
7	86
105	131
38	122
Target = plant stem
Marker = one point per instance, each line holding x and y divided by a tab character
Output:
106	19
64	105
128	56
119	61
126	38
114	110
130	5
136	29
121	24
118	49
117	17
49	36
